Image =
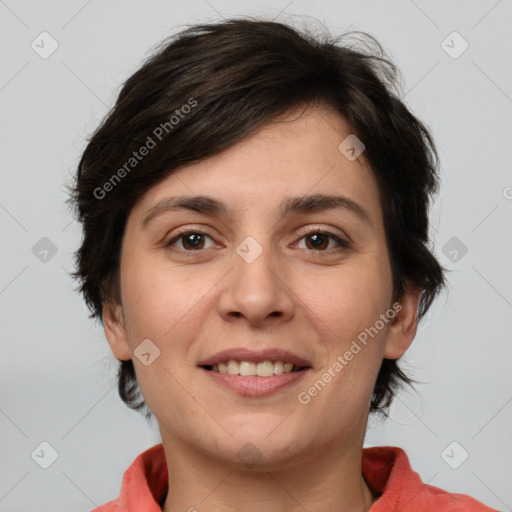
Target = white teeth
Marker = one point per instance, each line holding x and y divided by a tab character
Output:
233	367
265	369
249	368
278	368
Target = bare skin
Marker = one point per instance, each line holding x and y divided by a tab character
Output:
310	296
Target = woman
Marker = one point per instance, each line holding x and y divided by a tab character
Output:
255	212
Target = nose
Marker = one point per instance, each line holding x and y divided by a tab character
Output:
257	292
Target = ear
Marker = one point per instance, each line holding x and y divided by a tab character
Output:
403	327
115	332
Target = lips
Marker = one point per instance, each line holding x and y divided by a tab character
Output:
252	373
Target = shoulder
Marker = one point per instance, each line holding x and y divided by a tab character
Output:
144	484
443	500
388	471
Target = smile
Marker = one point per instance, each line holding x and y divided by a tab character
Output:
262	369
255	373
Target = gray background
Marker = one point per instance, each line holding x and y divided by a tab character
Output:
57	376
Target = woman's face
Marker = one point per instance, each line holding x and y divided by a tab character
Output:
285	263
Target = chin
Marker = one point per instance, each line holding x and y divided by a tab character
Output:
260	446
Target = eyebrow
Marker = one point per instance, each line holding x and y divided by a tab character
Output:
289	206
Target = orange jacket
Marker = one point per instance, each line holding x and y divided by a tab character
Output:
385	468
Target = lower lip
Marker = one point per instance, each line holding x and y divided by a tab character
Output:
256	386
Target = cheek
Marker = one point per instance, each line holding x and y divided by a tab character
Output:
346	310
348	299
347	307
158	299
160	304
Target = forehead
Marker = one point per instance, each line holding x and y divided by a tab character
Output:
296	154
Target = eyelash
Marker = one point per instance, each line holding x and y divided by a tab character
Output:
344	244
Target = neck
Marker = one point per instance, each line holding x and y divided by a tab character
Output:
330	480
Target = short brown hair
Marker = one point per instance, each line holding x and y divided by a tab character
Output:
241	73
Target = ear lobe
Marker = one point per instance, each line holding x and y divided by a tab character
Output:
403	327
113	325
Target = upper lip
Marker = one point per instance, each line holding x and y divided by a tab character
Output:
256	356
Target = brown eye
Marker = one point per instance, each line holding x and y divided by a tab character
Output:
190	240
319	241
